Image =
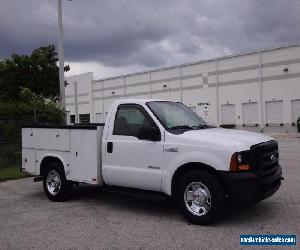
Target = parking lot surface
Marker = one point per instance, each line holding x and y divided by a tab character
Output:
97	219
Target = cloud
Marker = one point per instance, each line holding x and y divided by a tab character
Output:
122	35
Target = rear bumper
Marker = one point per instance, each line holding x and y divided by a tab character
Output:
248	187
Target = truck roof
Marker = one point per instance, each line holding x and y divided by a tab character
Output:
137	101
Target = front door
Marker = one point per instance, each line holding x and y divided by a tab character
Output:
131	162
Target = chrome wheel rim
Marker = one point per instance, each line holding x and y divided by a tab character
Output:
53	182
197	198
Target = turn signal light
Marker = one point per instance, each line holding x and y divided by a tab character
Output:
236	166
244	167
233	163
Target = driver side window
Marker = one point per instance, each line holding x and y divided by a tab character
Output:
130	118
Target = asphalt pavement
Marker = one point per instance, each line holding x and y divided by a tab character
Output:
116	219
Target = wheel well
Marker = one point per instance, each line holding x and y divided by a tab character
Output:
46	161
192	166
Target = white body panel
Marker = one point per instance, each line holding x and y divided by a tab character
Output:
129	163
132	162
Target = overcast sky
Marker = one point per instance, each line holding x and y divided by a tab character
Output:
111	37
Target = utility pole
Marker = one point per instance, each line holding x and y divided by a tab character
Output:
61	58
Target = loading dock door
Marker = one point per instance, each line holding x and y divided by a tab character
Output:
274	112
228	114
250	113
295	110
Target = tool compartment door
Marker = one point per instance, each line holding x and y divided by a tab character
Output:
84	150
51	139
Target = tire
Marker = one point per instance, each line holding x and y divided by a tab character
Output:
56	186
201	197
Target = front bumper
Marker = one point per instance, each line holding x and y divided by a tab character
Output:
248	187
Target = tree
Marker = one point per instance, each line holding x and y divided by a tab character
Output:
38	72
31	106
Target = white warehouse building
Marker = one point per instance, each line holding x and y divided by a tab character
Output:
256	91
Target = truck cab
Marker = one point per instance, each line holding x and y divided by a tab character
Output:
164	146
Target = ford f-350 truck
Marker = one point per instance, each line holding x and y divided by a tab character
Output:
160	146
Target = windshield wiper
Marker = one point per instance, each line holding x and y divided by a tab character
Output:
181	127
201	126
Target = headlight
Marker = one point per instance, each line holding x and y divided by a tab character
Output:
240	161
239	158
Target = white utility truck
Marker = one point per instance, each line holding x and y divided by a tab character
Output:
160	146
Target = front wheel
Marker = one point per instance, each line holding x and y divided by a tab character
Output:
201	197
56	186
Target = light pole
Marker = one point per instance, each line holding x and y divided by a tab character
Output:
61	58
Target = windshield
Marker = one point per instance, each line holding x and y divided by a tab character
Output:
175	115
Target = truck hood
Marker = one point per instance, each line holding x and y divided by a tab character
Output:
239	139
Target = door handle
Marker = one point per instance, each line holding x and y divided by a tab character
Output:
109	147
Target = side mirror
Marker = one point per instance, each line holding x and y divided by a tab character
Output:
149	134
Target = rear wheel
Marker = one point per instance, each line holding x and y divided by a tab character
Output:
201	197
56	186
